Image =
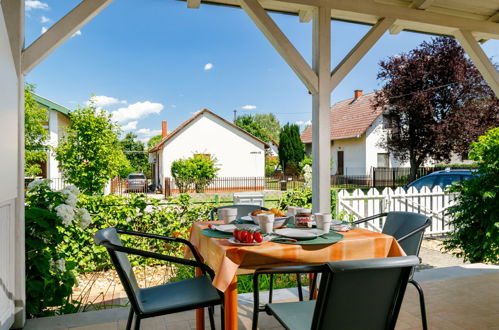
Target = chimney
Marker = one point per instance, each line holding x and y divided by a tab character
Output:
164	132
357	94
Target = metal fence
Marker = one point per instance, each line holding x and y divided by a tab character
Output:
119	187
54	183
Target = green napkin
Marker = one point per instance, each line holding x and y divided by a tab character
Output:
215	233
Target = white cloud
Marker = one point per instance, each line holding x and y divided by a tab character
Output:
77	33
147	133
136	111
208	66
100	101
249	107
306	123
45	19
44	29
130	126
35	4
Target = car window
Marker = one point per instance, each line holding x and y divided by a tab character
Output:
423	182
136	176
447	180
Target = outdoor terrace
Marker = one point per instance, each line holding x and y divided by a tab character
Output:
457	297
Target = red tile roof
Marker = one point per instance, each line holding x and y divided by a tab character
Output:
197	114
349	118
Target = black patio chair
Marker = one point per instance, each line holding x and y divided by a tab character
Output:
408	229
356	294
242	210
162	299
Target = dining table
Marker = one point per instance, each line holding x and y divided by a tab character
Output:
229	261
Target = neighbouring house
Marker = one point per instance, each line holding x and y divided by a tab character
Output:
356	129
238	153
273	149
58	121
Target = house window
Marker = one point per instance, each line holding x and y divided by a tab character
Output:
383	160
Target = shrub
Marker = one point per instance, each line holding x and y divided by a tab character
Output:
271	163
476	215
199	170
303	198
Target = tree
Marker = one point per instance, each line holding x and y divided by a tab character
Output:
475	233
135	153
266	127
291	149
154	141
35	136
199	170
436	103
89	153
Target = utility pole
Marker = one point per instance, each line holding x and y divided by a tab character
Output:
235	115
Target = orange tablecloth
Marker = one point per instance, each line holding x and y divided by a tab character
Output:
228	260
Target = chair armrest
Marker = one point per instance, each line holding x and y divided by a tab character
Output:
164	238
369	218
159	256
415	231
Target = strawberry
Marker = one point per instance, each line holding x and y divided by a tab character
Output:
258	237
249	238
243	235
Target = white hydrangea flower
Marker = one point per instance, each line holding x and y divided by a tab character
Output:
72	189
149	209
33	185
66	213
60	265
128	219
307	175
71	198
84	218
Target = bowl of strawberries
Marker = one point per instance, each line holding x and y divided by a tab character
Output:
247	237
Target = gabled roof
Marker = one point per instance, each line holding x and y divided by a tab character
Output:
196	115
51	105
349	118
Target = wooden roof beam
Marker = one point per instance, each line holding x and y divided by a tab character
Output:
416	4
60	32
13	23
281	43
479	58
358	52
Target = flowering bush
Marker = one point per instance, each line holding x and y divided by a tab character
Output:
49	216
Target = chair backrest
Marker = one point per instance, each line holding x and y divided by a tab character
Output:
120	262
399	224
242	209
362	294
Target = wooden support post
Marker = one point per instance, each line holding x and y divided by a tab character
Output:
321	103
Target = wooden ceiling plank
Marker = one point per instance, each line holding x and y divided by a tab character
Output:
60	31
281	43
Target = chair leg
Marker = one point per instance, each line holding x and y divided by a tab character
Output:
300	292
211	314
313	287
271	288
222	316
137	323
130	319
421	303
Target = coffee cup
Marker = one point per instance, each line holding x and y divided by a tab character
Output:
323	221
227	214
266	222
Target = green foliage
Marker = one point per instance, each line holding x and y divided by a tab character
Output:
266	127
199	170
291	148
49	272
307	160
89	153
270	165
35	136
135	153
303	198
154	141
476	215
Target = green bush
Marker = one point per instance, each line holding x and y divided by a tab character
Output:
270	165
303	198
199	170
475	217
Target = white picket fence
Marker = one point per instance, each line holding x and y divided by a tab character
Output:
432	203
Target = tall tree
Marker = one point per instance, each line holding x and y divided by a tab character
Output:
436	103
89	153
153	141
291	148
266	127
134	151
35	136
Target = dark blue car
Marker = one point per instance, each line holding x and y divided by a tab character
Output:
441	178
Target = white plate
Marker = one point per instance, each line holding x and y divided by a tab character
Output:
297	233
247	218
230	227
232	240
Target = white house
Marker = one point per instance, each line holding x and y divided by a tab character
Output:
238	153
356	129
58	120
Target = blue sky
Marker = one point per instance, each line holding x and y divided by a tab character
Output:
155	60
